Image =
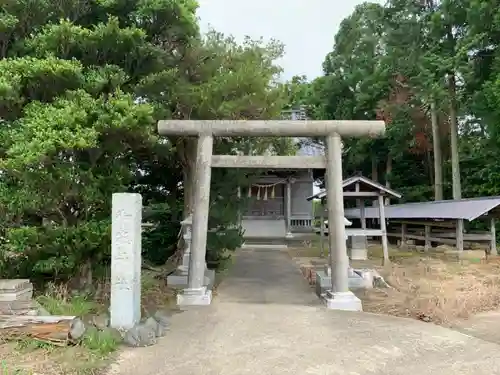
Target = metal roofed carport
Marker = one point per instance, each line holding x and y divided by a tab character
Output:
467	209
455	210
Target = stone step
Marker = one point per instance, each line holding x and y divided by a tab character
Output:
265	241
23	295
177	280
16	307
360	279
14	285
265	246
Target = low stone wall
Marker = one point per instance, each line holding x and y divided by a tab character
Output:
358	278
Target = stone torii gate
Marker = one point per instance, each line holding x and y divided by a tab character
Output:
339	297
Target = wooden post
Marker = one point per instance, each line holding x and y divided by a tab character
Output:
403	235
360	203
288	208
460	235
493	241
362	213
427	237
322	229
238	192
436	149
383	228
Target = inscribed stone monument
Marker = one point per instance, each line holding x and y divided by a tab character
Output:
126	261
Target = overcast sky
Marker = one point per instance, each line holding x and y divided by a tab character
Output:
306	27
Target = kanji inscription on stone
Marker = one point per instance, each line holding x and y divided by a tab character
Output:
126	260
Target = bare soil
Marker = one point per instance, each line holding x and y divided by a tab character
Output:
433	287
28	357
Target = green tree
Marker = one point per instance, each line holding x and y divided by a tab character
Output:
82	85
429	69
73	127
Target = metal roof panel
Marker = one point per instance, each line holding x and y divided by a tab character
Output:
467	209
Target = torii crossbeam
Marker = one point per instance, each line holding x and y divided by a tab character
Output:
196	293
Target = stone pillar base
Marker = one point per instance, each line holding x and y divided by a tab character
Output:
183	268
175	280
358	247
180	280
345	301
359	254
358	279
209	278
195	297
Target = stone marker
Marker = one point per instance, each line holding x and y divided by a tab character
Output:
359	247
125	309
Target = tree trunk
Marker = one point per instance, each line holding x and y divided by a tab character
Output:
57	330
429	166
86	275
187	154
374	169
187	182
388	171
374	175
438	159
455	160
186	150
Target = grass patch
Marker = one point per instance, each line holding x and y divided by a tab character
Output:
93	352
30	357
433	287
377	253
155	294
101	343
96	350
57	300
437	290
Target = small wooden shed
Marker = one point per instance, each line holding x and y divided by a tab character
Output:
361	189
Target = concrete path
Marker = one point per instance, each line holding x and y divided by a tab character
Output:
266	320
485	326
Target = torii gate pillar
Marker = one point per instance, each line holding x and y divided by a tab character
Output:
339	297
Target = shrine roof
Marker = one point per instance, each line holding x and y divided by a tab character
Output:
367	186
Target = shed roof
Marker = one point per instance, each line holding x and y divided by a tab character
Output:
467	209
372	186
347	223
